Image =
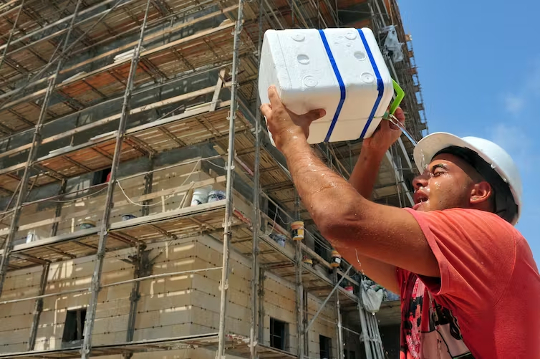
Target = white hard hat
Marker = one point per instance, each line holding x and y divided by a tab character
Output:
508	192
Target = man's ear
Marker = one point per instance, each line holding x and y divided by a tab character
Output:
481	193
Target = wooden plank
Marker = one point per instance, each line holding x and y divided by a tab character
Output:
219	84
35	224
314	255
113	118
184	115
64	19
9	3
146	53
169	215
150	37
171	191
52	240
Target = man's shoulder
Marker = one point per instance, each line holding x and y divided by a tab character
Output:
470	234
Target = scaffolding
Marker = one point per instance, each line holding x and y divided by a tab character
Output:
91	85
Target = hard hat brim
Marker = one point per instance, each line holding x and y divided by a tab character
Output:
428	146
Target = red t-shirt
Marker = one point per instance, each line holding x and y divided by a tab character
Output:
486	304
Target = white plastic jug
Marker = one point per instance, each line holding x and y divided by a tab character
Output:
339	70
200	195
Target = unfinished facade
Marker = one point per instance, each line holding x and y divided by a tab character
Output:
143	210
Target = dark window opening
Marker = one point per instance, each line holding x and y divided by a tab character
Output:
278	333
325	347
321	250
276	214
74	326
101	176
351	354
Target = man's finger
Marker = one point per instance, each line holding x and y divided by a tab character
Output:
315	114
273	96
385	125
400	115
266	110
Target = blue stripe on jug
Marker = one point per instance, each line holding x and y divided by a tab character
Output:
341	85
380	85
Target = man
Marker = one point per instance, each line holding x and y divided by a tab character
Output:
468	282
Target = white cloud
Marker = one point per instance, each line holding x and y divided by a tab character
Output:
517	143
514	104
533	78
527	93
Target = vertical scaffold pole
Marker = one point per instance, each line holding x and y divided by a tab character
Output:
32	154
103	233
227	227
256	214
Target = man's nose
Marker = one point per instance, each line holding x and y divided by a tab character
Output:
420	181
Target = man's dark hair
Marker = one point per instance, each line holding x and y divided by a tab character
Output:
503	200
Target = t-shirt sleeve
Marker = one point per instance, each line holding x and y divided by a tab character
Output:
475	251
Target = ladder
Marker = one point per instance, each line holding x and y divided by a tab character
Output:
370	335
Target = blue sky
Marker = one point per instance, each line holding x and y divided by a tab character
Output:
479	67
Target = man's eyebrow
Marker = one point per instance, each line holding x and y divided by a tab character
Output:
439	165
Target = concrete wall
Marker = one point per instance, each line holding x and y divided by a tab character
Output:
324	325
40	216
90	207
75	274
180	305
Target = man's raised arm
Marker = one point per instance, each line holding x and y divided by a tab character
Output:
350	222
363	179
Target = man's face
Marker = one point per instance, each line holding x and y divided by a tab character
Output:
446	183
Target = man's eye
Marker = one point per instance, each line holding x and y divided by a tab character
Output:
437	173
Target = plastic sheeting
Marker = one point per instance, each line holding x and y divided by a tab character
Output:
372	296
391	46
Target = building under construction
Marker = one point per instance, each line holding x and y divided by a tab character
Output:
143	210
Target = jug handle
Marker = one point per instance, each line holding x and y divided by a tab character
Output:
400	94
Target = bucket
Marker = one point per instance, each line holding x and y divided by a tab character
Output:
215	196
340	70
308	261
297	230
200	195
349	289
336	259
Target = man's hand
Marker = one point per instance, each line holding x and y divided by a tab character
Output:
284	125
385	135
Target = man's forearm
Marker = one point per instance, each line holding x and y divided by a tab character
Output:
365	172
325	194
322	190
363	179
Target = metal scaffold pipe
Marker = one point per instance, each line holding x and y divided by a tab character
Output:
36	141
300	324
326	300
38	308
64	53
227	230
253	340
103	234
14	27
339	322
128	281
